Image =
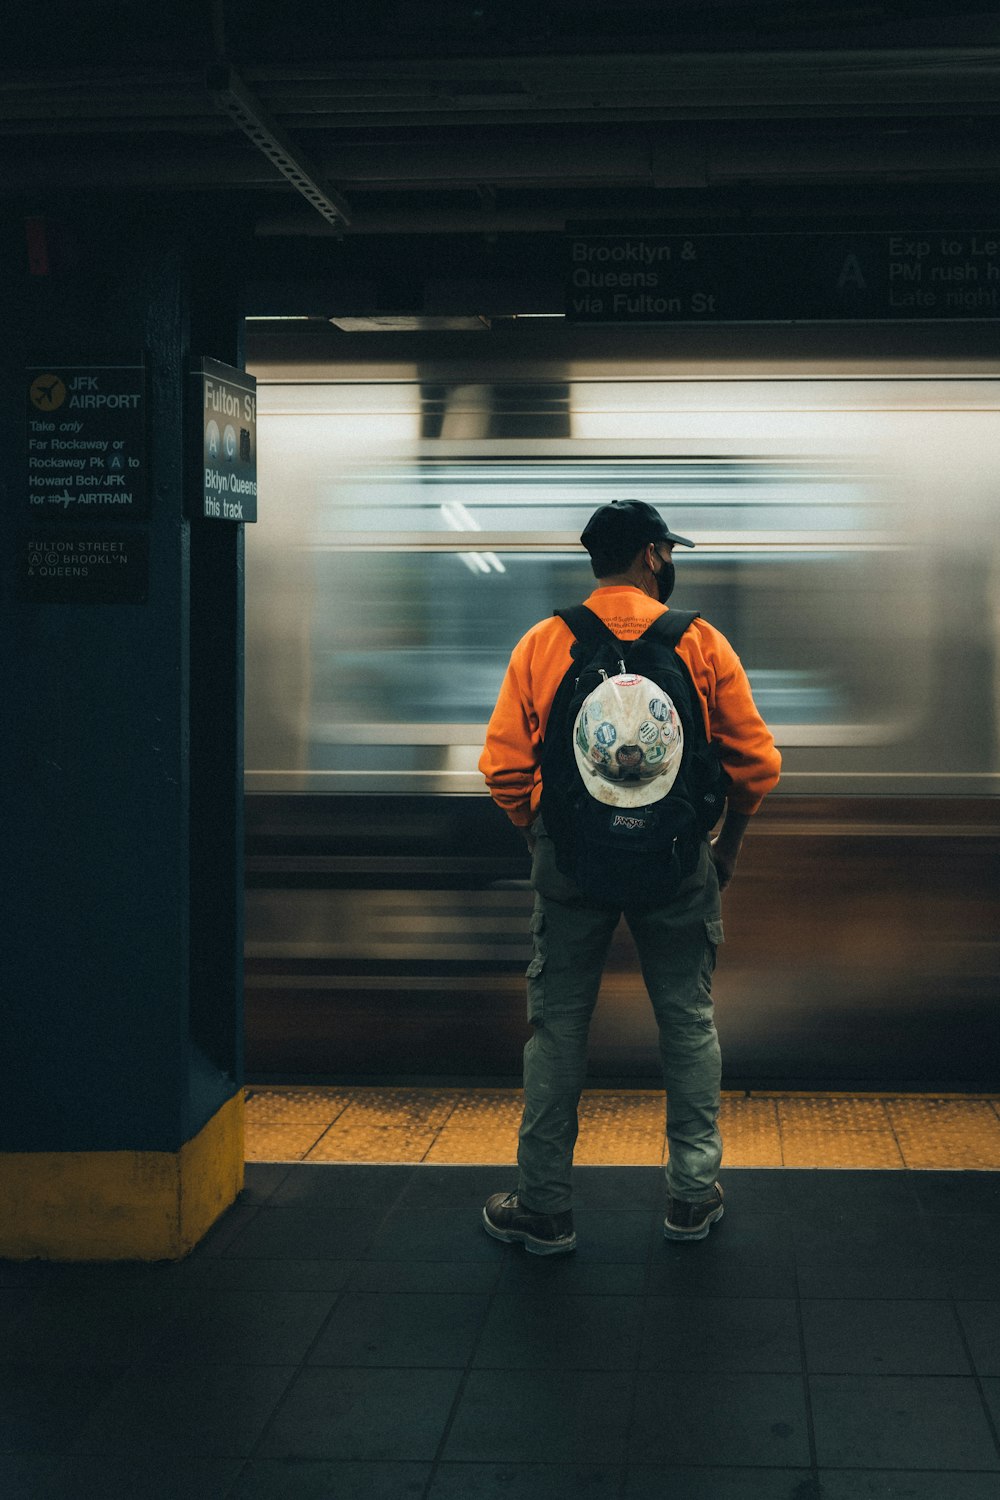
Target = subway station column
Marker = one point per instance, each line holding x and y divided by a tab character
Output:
121	1105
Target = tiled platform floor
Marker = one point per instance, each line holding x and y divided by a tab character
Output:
351	1333
623	1128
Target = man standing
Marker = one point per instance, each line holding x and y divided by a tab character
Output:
631	550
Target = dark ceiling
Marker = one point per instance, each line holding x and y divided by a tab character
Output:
424	118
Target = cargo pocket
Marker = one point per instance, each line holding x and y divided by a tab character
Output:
535	972
715	935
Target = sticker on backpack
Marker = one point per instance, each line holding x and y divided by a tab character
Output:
633	776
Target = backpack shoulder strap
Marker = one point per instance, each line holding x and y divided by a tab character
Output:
668	628
589	629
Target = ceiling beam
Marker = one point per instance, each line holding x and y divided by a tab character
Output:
232	95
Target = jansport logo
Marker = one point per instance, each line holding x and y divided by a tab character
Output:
629	824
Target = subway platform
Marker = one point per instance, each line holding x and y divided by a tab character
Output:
348	1332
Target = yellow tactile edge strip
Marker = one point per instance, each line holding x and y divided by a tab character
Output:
624	1128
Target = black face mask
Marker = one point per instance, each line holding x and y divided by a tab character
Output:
665	580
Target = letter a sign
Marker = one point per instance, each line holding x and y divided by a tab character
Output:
851	274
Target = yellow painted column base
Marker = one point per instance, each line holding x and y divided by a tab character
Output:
121	1205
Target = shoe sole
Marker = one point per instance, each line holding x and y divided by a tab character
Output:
701	1233
530	1243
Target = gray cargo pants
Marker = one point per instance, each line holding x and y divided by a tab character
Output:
676	945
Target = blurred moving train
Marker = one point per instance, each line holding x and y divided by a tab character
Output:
418	516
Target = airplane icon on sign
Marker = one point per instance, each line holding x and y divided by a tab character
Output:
48	392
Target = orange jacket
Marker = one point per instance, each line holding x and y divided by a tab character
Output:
511	759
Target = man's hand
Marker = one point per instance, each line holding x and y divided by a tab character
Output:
725	847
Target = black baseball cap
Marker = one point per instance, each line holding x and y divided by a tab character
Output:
627	521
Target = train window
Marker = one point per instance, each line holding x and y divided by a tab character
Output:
414	532
708	498
408	648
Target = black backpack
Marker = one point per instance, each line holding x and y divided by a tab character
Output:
634	856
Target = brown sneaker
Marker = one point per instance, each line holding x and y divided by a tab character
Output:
692	1221
505	1218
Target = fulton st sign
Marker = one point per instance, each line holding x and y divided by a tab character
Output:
226	430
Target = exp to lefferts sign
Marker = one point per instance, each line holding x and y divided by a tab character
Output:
228	428
86	442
